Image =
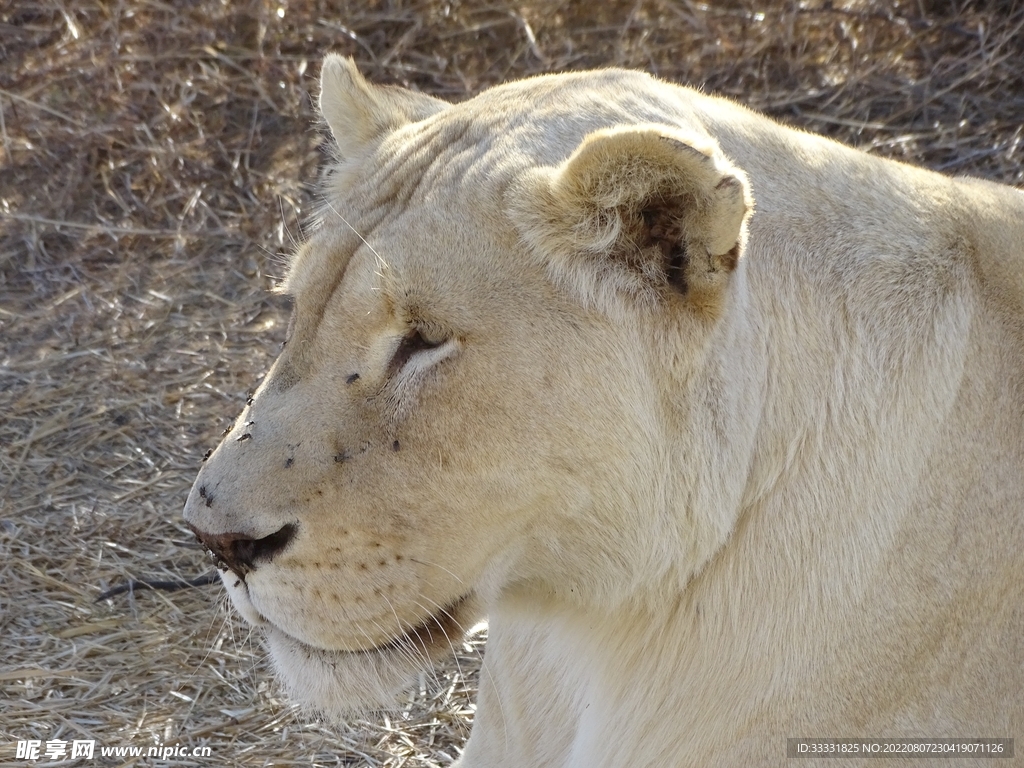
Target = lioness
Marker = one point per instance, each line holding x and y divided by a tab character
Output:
718	473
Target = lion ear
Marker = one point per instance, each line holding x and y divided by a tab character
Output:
644	210
359	112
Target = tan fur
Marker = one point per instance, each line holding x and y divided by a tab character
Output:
717	473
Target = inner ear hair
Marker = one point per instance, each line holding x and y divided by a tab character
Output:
664	231
638	212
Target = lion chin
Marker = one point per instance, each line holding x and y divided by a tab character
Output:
339	684
719	424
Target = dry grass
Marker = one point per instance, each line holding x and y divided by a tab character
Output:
155	161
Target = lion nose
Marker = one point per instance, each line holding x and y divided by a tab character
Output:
240	552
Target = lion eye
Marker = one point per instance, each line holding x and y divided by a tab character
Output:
414	342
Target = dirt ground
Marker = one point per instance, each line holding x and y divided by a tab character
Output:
157	158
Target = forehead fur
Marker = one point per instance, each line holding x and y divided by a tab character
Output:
575	175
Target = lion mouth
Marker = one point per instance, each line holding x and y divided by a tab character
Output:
437	629
340	683
438	632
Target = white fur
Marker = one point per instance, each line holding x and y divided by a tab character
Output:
704	510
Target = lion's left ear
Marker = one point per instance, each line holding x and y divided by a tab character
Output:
644	210
359	112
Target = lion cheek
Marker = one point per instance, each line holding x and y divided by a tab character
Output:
344	604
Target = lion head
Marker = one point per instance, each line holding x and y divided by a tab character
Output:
472	400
